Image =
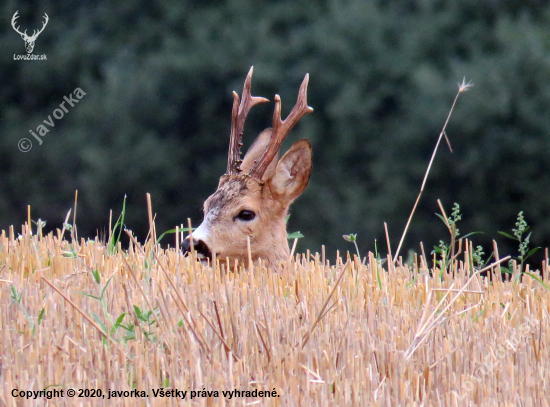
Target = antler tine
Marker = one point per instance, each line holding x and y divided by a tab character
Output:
13	22
238	117
281	128
44	24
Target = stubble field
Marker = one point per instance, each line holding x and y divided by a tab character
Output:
146	326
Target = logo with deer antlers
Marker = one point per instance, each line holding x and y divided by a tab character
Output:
29	40
253	197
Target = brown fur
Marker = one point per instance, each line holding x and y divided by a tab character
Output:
269	199
261	185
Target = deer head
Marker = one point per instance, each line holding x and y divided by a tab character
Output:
253	197
29	41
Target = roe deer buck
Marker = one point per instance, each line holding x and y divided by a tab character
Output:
253	197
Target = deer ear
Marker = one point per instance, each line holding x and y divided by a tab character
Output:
255	152
293	171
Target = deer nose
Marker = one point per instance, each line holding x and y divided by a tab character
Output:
201	248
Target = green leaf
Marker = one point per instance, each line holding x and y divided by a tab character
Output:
131	335
534	277
118	323
138	312
379	279
96	276
144	316
294	235
471	234
14	295
39	222
437	250
105	287
99	322
41	315
352	237
120	319
505	269
411	282
186	229
171	231
480	313
89	295
509	236
440	216
119	225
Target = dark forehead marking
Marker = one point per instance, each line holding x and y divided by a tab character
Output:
229	188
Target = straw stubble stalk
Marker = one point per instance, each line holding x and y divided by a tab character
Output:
462	87
315	333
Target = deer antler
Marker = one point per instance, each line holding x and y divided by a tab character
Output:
44	24
238	117
14	18
34	34
281	128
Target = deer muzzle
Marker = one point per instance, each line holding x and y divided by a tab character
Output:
199	245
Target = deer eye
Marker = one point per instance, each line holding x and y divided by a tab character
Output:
246	215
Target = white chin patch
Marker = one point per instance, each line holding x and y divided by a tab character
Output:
202	232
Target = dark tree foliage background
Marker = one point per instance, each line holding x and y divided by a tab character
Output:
158	78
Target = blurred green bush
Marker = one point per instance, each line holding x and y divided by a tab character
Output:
156	117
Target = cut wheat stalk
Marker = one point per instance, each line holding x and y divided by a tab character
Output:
462	87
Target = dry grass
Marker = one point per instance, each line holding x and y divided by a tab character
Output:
319	334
